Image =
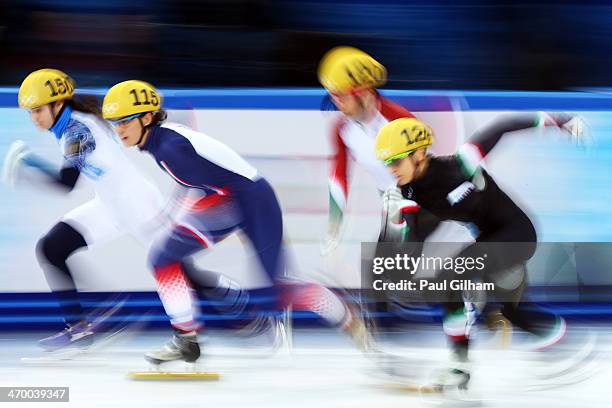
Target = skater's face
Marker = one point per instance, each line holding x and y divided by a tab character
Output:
131	129
346	103
356	105
44	116
406	169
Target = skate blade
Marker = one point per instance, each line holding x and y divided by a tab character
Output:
173	375
72	359
413	388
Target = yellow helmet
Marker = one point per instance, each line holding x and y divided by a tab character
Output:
401	137
45	86
130	98
344	69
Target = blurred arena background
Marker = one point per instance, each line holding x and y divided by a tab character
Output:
439	44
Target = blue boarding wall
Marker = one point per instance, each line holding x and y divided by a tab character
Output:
285	133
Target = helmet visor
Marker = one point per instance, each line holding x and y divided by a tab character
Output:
393	160
125	119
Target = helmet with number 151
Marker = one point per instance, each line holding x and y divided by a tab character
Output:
45	86
130	98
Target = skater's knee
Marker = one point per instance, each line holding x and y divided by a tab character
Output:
58	244
455	322
51	251
161	258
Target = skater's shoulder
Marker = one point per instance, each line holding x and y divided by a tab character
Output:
443	165
339	125
167	139
77	139
77	129
391	110
168	133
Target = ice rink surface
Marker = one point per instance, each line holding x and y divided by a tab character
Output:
321	370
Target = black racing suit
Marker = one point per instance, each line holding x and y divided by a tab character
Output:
452	188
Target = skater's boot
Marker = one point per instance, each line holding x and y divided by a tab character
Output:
357	329
457	375
77	335
183	346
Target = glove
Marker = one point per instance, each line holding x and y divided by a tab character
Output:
577	130
17	151
394	227
329	244
572	125
393	201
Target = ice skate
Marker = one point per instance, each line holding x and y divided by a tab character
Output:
456	376
182	347
452	378
360	335
79	335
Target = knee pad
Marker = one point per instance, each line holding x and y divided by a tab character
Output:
53	250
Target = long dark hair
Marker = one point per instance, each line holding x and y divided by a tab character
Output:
159	117
86	103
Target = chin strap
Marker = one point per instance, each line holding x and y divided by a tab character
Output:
143	133
59	113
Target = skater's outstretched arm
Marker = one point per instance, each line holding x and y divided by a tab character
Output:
66	178
485	139
20	155
338	189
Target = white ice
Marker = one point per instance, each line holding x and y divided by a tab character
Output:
321	370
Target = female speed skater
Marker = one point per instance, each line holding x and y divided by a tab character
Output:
351	77
458	188
228	195
124	202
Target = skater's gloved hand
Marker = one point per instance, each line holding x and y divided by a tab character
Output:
331	241
393	203
329	244
572	125
578	131
13	159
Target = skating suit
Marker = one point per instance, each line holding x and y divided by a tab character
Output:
223	193
125	201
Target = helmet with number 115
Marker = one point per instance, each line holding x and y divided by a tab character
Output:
347	69
401	137
130	98
45	86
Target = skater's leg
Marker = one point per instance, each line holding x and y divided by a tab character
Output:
263	226
535	320
85	225
318	299
174	287
173	272
176	294
227	294
52	251
456	327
